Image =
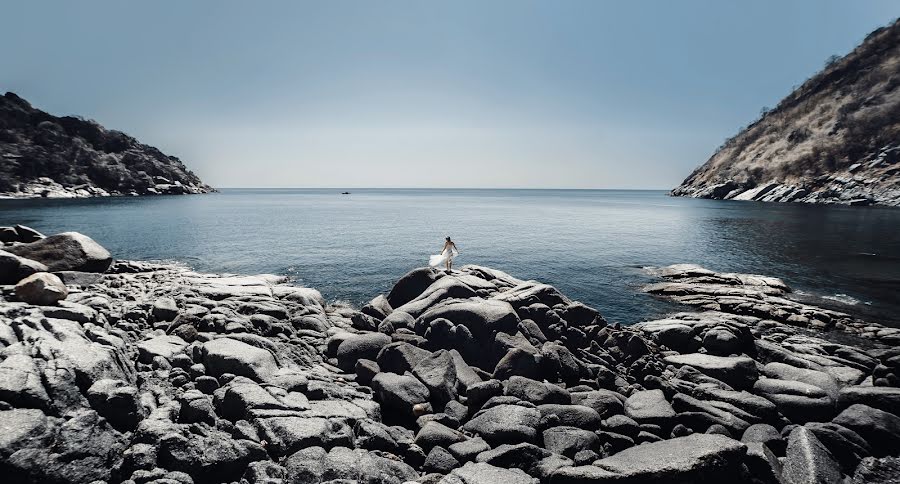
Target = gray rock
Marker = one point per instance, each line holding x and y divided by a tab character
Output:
523	456
400	357
482	473
165	309
467	450
882	398
767	435
226	355
721	341
117	401
20	383
650	406
605	402
360	346
568	441
505	424
737	371
436	434
438	372
682	459
482	318
798	401
440	460
410	286
536	392
42	288
808	461
68	251
399	393
879	428
572	415
286	435
878	471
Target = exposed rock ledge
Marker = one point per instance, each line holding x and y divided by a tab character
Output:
156	373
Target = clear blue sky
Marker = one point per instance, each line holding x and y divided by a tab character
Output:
582	94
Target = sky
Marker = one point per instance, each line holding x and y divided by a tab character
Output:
494	94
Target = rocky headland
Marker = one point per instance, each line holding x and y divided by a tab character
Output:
42	155
834	139
117	371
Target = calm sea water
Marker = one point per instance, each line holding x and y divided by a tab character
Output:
592	244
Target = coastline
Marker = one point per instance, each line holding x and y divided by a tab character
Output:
474	376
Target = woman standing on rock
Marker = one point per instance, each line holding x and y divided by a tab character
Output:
446	256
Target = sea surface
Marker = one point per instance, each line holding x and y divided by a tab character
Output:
594	245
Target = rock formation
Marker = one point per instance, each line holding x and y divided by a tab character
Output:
835	139
155	373
42	155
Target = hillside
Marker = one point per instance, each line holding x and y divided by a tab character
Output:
835	139
63	157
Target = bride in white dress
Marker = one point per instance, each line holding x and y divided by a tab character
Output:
446	256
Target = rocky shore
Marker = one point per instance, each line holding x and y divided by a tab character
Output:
116	371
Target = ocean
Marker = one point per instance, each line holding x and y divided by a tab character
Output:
594	245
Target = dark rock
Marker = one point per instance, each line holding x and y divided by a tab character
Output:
435	434
165	309
604	402
482	318
69	251
882	398
767	435
523	456
400	357
621	424
479	393
399	392
879	428
800	402
518	362
878	471
410	286
466	450
721	341
737	371
438	372
568	441
763	464
14	268
117	402
286	435
847	447
440	460
360	346
572	415
536	392
366	370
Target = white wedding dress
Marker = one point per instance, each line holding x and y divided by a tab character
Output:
443	257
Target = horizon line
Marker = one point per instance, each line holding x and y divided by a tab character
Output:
433	188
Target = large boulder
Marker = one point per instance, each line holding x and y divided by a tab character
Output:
438	373
737	371
505	424
360	346
411	285
695	458
481	317
879	428
14	268
650	406
43	289
68	251
399	393
226	355
483	473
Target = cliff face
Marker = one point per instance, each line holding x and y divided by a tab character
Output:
50	156
835	139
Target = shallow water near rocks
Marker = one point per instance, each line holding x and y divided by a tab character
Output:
591	244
